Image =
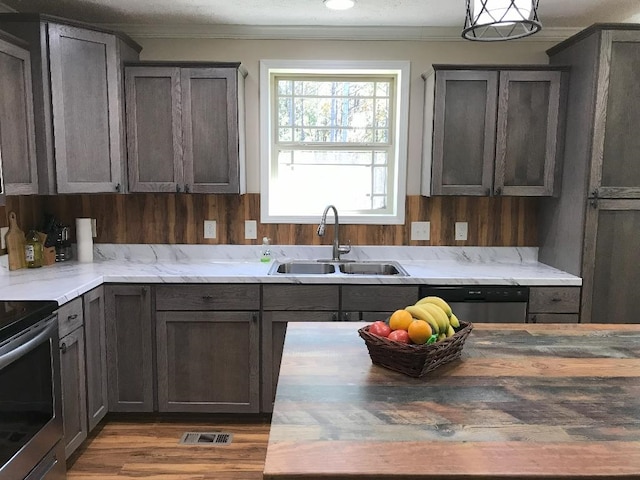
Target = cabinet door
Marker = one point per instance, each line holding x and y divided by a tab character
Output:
86	109
377	298
464	132
210	129
208	361
17	131
74	399
616	143
274	329
154	131
96	356
527	132
129	348
611	268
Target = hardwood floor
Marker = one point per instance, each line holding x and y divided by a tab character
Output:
134	448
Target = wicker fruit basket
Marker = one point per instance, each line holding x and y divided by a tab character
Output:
415	360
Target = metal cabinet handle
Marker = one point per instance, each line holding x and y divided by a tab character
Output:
556	299
498	191
72	317
207	297
347	317
118	187
534	319
254	317
186	188
63	348
334	317
177	188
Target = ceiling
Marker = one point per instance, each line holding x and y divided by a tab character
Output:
296	13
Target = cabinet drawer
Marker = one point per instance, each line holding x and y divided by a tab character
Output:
208	297
554	300
301	297
70	317
377	298
553	318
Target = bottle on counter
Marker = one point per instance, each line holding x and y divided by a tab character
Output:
33	251
266	250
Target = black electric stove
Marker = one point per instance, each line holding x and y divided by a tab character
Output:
18	316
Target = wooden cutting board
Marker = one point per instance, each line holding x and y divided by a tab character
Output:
15	241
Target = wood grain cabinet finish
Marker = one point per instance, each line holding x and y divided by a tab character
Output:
17	129
96	356
185	127
78	102
74	396
592	230
283	304
553	305
375	302
496	131
208	352
130	339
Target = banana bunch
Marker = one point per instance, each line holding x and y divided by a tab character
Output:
437	313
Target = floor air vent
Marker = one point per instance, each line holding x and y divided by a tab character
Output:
206	438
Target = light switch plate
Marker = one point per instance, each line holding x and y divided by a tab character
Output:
3	232
462	230
210	228
420	230
250	229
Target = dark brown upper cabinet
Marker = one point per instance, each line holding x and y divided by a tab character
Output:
17	131
185	127
492	130
78	103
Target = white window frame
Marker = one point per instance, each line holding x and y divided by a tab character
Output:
399	133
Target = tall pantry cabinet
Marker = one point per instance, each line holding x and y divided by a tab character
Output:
592	229
78	102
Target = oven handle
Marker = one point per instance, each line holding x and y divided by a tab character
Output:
23	344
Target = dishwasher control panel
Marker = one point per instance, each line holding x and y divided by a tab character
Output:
477	293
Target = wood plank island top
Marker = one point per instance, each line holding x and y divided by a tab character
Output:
524	401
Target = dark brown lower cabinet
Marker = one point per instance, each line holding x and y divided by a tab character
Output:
74	396
129	336
553	305
208	361
96	356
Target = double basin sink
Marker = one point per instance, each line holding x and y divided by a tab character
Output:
328	267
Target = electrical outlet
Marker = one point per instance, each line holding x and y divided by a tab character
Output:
420	230
3	232
209	229
462	230
250	229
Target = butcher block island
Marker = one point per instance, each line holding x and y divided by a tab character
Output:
525	401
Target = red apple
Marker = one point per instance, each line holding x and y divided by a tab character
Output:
380	328
399	336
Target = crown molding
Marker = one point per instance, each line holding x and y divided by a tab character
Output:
301	32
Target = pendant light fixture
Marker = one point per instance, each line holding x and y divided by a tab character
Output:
496	20
339	4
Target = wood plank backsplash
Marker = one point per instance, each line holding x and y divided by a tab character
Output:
178	219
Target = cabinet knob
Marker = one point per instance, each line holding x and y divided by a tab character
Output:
118	187
177	188
334	317
498	191
186	188
347	317
207	297
534	319
63	347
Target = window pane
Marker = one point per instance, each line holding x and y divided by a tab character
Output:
285	112
316	186
285	87
382	89
380	158
380	180
331	157
285	134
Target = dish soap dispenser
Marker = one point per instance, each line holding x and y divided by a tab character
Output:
266	251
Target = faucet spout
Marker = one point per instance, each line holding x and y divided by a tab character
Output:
337	248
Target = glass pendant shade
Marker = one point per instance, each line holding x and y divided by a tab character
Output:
495	20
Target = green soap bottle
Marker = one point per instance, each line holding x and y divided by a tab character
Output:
33	250
266	250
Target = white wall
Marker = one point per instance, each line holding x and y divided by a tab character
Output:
420	54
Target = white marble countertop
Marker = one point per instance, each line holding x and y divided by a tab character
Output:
150	264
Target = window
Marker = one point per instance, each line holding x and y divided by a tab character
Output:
333	134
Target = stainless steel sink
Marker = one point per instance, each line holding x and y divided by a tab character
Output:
328	268
303	268
372	268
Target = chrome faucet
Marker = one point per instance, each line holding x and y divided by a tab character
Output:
337	248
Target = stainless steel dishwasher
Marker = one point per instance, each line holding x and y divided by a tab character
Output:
479	303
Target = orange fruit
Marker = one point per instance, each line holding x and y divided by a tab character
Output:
419	331
400	320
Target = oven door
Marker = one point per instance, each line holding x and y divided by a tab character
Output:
30	399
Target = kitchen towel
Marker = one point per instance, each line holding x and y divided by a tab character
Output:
84	240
